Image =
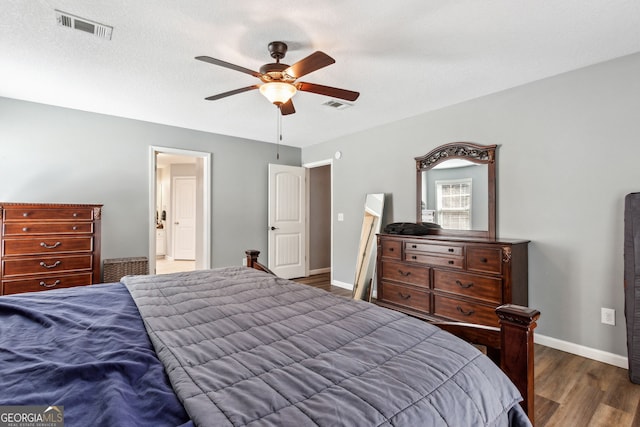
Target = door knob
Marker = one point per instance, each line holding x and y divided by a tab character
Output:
273	228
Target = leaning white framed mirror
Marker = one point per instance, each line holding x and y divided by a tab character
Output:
365	263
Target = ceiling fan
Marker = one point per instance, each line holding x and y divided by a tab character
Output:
279	81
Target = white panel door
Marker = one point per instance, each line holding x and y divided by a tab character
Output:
287	229
184	218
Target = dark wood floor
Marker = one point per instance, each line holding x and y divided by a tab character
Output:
570	390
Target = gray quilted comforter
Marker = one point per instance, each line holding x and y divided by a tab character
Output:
244	348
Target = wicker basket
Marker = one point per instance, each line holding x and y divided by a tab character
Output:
114	269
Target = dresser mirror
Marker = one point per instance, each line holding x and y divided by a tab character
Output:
456	188
371	223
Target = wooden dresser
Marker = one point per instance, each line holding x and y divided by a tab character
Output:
48	246
460	279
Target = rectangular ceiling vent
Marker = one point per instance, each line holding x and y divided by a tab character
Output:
338	105
71	21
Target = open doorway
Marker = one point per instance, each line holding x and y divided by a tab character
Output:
179	236
320	218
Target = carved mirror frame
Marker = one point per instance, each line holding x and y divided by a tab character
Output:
475	153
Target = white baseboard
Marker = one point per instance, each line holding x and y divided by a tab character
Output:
320	271
580	350
344	285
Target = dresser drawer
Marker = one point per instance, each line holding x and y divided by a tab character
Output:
464	311
47	245
399	272
480	287
46	265
485	259
434	260
453	250
28	228
407	296
391	249
34	214
43	284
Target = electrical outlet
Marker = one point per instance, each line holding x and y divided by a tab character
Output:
608	316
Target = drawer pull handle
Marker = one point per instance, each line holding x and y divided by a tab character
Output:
464	313
74	228
403	296
54	265
451	249
484	260
25	229
56	283
75	215
404	273
464	286
391	249
414	257
451	262
55	245
26	214
414	246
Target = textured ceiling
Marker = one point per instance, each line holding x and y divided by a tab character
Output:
405	58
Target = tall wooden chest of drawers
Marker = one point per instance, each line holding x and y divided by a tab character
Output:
48	246
462	279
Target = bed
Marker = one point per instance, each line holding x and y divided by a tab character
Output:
240	347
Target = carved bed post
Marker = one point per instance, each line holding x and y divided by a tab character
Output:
252	261
252	257
516	325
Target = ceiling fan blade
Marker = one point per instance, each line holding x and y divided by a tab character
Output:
231	92
334	92
287	108
311	63
229	65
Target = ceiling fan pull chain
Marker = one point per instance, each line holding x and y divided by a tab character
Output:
279	131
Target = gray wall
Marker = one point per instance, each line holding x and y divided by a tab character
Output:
569	153
52	154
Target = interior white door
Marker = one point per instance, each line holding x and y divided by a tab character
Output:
184	218
287	229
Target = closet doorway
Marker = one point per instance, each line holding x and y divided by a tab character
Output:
319	218
180	210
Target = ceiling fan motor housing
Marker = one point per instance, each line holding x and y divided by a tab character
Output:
277	50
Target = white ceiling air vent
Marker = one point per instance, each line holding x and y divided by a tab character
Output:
338	105
71	21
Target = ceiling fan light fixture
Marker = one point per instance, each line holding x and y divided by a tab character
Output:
278	93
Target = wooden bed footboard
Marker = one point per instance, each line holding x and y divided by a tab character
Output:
510	346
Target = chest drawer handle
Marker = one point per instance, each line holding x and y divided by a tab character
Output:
55	245
464	286
75	215
56	283
26	214
483	260
54	265
403	296
391	249
25	229
464	313
451	249
451	262
414	257
404	273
